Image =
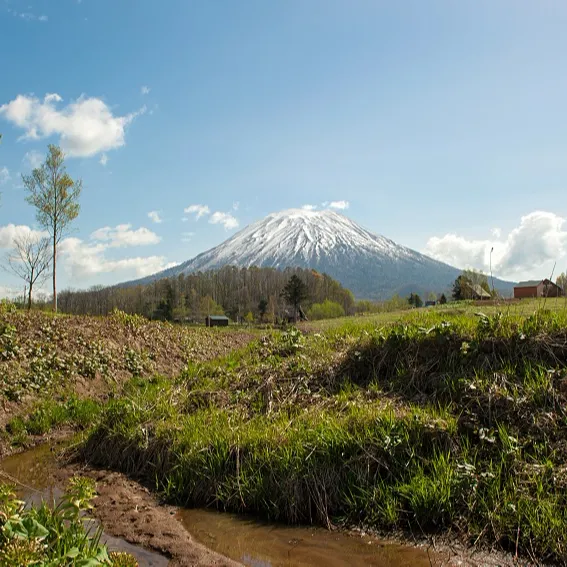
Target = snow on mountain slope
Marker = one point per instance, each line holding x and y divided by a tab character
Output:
371	266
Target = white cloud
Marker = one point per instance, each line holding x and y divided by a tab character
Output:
9	232
32	159
28	16
122	235
154	216
309	207
235	205
10	292
82	261
226	219
85	127
103	160
539	239
496	232
4	175
145	90
187	236
199	210
340	205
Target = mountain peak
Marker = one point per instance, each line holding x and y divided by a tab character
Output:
370	265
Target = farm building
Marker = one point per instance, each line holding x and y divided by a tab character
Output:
216	321
479	292
537	288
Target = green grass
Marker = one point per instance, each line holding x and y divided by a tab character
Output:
447	419
48	415
440	420
516	309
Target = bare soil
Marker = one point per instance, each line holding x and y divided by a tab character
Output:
129	511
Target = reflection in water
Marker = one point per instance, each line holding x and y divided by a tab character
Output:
34	472
258	544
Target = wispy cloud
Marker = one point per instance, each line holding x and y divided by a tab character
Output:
340	205
123	235
4	175
103	160
28	16
309	207
83	260
145	90
198	210
32	159
85	127
187	236
154	216
540	237
226	219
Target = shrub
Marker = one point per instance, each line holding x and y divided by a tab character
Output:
326	310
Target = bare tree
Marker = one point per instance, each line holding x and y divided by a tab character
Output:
30	260
56	198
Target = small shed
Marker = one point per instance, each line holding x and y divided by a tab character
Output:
216	321
537	288
478	292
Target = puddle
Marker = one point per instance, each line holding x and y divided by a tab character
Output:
258	544
34	471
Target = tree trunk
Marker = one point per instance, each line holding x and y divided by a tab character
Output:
29	297
54	271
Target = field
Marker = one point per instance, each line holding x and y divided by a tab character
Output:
448	420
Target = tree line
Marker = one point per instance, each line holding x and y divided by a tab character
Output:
243	294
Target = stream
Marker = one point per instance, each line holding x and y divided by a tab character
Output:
247	540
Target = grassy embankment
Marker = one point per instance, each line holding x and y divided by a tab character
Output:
58	370
441	422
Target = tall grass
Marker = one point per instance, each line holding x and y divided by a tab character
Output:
442	422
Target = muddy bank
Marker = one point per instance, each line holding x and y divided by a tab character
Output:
129	512
132	519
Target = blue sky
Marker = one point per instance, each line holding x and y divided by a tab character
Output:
442	124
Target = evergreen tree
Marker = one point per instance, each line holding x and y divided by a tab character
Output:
461	288
294	292
262	308
442	299
415	300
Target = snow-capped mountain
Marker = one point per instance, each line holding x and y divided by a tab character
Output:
370	265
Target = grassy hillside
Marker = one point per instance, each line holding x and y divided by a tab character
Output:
78	357
443	423
442	420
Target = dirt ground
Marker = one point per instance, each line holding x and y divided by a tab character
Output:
129	511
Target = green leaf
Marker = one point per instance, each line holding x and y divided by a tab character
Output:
90	562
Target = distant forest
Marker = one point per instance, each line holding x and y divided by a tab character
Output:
240	293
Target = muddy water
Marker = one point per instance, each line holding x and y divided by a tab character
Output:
33	471
258	544
248	541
